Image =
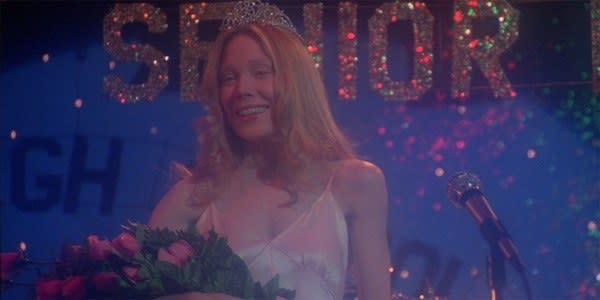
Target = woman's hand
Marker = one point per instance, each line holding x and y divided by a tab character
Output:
198	296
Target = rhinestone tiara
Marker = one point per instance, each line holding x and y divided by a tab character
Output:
256	12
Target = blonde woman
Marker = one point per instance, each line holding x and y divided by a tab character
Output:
275	175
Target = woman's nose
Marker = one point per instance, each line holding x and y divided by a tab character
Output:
244	85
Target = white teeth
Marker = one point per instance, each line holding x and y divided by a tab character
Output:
252	110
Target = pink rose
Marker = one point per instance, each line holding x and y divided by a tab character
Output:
11	262
105	281
71	253
164	255
73	288
131	273
47	289
178	253
76	250
126	244
99	249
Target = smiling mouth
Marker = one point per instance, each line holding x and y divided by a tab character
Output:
252	110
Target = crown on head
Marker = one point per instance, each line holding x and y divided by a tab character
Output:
256	12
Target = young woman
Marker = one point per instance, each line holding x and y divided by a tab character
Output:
275	174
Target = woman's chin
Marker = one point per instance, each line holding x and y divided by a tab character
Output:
264	143
256	137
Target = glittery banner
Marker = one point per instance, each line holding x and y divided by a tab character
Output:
193	50
422	24
156	61
313	32
485	51
595	23
347	58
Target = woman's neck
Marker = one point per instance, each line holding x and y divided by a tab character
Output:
248	162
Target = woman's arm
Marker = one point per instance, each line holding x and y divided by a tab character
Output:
360	189
173	211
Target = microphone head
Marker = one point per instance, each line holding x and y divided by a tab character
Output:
459	184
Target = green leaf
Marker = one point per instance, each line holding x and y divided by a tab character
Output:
144	272
167	268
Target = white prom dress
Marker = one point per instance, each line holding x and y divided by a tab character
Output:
310	256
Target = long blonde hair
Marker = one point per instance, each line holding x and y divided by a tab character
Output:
305	130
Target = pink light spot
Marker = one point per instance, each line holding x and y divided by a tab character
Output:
458	16
438	144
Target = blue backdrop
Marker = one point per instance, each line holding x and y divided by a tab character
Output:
76	162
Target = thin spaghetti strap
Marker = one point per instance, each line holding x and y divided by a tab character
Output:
333	173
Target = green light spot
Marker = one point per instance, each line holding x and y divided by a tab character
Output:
519	57
586	120
557	48
584	76
570	103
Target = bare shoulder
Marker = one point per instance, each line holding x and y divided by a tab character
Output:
174	210
356	171
359	185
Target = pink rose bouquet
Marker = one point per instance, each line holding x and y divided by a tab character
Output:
144	263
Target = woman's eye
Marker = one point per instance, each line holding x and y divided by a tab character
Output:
227	78
263	72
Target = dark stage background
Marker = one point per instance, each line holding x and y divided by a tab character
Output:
76	162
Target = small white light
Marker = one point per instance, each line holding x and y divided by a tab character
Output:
78	103
22	246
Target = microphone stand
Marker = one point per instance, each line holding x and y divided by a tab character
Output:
464	187
496	272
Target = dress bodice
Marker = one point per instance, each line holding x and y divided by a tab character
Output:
310	256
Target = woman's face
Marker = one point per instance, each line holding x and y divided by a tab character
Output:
246	88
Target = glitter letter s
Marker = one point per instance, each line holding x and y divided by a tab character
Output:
156	61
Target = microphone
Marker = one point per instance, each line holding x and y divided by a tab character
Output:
464	190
